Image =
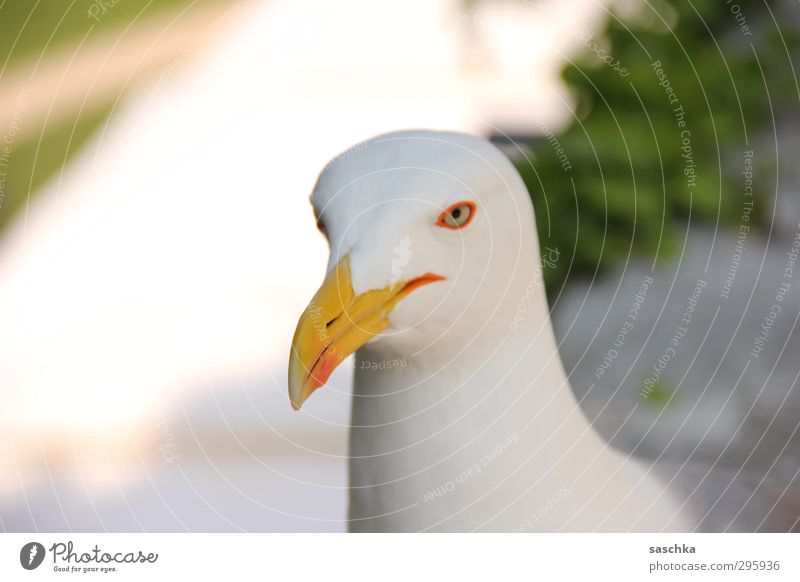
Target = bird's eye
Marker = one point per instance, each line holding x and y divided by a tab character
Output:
457	216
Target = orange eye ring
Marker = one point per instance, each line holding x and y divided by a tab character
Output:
458	215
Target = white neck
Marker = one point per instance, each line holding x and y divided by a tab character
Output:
489	437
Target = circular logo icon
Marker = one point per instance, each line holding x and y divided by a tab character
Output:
31	555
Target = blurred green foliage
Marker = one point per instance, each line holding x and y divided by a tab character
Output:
34	30
39	157
660	395
635	189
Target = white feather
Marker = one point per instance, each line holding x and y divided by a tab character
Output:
479	429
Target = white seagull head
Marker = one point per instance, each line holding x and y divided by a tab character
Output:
433	244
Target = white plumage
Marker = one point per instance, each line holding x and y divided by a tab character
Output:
463	418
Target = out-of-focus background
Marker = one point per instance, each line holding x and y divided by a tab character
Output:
156	244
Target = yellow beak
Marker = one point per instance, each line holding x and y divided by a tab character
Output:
336	323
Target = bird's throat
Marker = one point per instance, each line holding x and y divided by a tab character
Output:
440	432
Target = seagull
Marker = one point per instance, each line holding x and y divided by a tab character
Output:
462	415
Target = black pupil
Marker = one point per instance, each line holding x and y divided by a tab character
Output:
456	213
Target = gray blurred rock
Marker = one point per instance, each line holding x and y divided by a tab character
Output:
721	406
